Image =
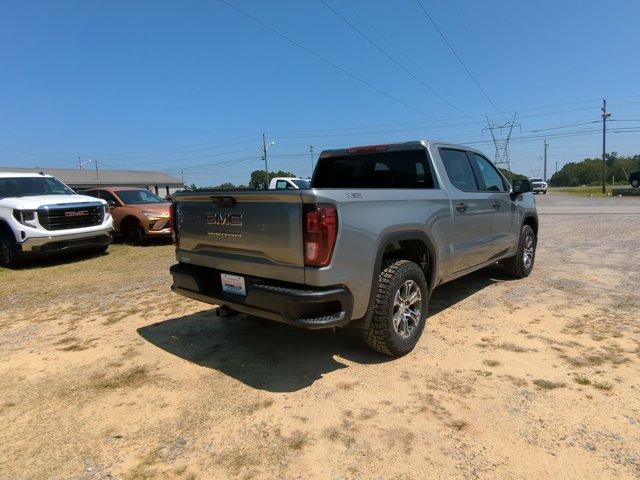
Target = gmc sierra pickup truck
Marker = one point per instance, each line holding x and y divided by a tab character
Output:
379	229
40	215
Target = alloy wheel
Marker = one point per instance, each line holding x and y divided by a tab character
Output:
407	307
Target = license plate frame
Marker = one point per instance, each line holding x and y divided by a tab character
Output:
233	284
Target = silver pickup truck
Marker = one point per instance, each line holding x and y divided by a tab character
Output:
379	229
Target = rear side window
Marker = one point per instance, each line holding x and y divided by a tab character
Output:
459	169
401	169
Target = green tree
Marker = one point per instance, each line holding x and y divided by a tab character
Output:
589	170
511	175
224	186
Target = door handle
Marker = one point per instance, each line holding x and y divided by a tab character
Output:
462	207
496	205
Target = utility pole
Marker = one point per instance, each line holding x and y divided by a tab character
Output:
265	147
182	175
264	153
546	145
97	176
79	164
556	166
605	115
311	153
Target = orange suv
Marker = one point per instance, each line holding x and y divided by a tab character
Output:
137	213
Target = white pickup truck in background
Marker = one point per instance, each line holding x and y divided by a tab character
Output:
289	183
40	215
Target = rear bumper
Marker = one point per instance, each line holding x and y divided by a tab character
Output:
289	303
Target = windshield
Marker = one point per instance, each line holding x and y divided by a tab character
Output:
302	184
535	179
32	186
138	197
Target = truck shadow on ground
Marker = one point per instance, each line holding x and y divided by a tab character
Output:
279	358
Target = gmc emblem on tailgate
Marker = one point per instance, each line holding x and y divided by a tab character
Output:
78	213
231	219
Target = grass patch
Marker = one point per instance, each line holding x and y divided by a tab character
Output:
298	440
603	385
547	384
74	347
580	380
131	378
492	363
459	425
256	406
595	190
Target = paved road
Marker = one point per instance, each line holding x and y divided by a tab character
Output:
562	204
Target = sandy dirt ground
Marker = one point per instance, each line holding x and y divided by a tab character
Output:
107	374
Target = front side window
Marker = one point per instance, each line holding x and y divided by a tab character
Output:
394	169
493	181
459	170
281	185
138	197
32	186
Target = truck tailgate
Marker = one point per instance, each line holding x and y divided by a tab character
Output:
252	233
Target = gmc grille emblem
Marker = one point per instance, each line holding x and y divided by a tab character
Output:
79	213
230	219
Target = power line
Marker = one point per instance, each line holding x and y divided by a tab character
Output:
466	69
564	126
390	57
325	60
6	147
187	149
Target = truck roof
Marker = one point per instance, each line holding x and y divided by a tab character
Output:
22	175
390	147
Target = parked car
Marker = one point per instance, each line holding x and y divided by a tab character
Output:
40	215
289	183
379	229
137	213
538	185
634	179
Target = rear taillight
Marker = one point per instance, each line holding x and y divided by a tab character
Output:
320	231
172	223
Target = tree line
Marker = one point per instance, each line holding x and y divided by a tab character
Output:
589	171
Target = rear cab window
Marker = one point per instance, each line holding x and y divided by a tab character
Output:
386	169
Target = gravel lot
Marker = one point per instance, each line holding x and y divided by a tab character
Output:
107	374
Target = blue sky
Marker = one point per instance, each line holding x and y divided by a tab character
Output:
193	85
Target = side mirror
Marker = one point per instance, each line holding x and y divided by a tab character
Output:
521	186
112	203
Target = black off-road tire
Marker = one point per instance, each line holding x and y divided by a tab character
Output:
635	183
516	266
380	334
9	255
132	232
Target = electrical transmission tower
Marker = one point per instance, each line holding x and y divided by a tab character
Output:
501	134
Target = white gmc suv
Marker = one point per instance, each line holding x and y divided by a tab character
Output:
40	215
